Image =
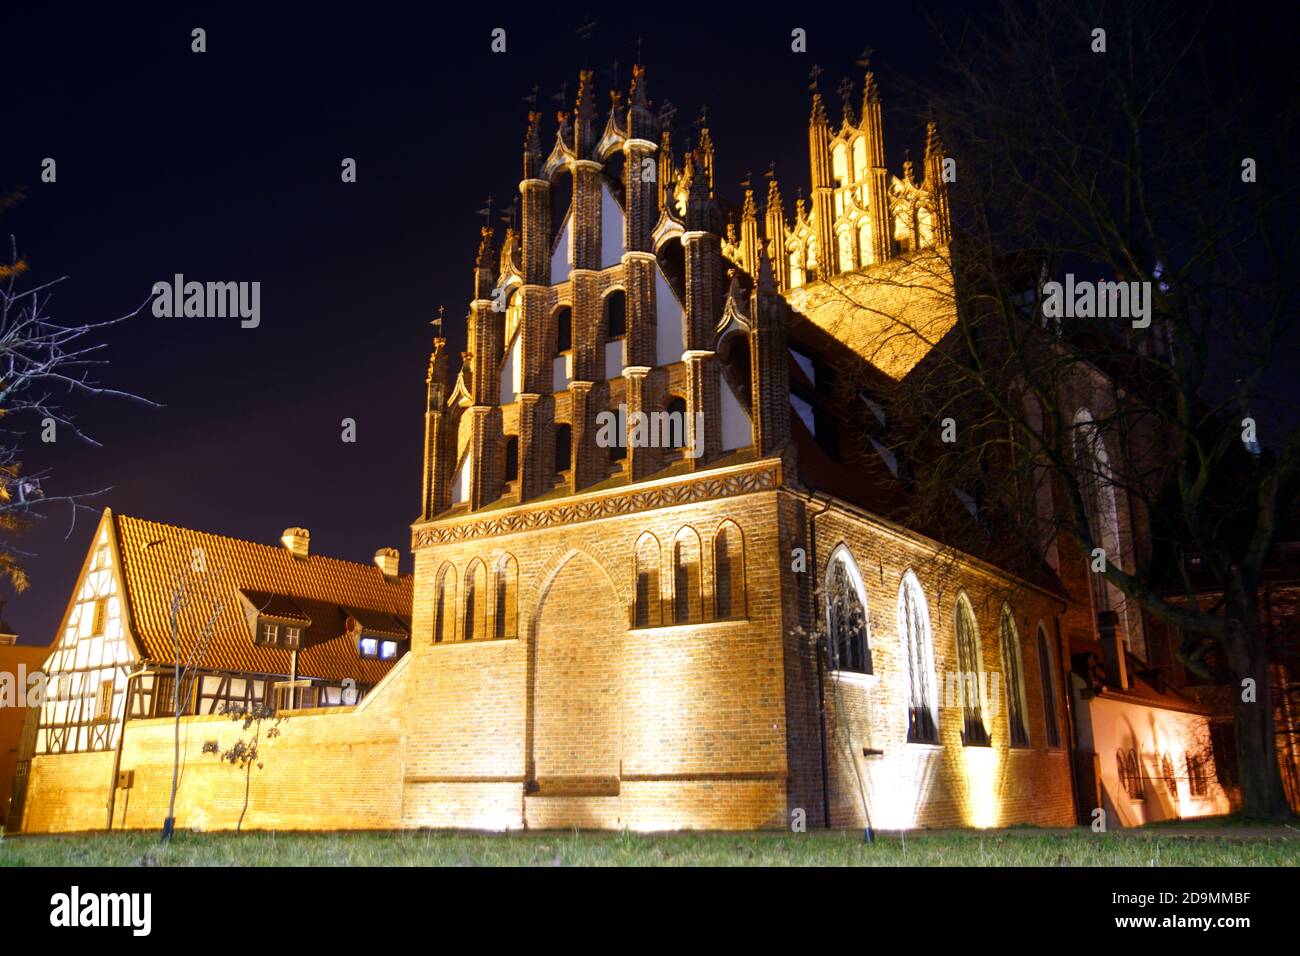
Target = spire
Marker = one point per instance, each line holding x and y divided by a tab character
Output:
935	185
585	115
749	210
533	156
483	279
640	91
640	121
818	117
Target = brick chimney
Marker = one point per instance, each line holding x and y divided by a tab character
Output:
1112	648
387	560
297	540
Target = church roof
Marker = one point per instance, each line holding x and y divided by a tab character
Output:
335	601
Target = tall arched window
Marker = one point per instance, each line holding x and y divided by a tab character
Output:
846	615
506	619
728	572
563	447
970	662
678	429
444	614
476	598
918	652
615	314
511	458
648	605
1014	679
687	601
1047	673
563	329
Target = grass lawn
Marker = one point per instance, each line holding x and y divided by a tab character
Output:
1226	845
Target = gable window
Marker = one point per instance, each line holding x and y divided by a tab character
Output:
918	652
101	617
970	662
1011	668
846	615
1048	676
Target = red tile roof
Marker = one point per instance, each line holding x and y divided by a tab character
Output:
156	558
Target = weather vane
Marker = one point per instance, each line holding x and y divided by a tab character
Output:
813	74
864	60
437	323
486	212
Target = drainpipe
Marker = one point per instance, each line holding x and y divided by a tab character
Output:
121	739
818	650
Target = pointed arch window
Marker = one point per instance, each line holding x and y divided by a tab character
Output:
846	615
970	663
918	653
476	599
687	600
506	614
1048	675
444	615
647	610
728	572
1096	484
1014	679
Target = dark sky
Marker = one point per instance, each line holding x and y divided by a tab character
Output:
224	166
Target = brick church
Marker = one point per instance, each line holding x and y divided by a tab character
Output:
657	585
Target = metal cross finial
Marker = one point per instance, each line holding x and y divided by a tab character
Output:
437	323
666	113
846	90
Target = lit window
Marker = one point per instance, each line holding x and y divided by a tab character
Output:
388	650
971	664
846	616
914	623
1013	672
292	636
369	647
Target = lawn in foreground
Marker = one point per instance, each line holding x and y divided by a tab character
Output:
1019	847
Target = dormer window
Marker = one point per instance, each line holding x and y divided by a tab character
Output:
387	650
368	647
292	636
270	633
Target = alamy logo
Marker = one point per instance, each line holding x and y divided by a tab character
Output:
1098	300
209	300
650	430
75	908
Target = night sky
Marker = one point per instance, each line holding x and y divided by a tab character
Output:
225	166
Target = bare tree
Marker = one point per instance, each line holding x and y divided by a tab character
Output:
42	361
245	752
1122	143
